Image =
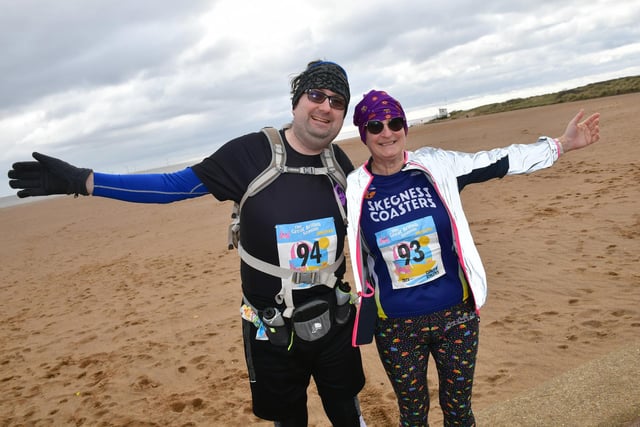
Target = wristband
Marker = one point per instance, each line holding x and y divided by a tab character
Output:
559	146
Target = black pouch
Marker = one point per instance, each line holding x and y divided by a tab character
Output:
312	320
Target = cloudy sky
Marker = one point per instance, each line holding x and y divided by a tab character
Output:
122	86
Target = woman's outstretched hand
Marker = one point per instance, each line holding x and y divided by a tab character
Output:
580	134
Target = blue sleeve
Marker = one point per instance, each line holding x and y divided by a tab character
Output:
149	188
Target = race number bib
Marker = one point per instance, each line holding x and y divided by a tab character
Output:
307	246
412	253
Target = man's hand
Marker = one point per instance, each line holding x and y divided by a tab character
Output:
46	176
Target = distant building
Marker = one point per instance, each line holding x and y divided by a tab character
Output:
443	113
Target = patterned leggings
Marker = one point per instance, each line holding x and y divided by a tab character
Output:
451	337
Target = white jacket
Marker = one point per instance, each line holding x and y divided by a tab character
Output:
443	168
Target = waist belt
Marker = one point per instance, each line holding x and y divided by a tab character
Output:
324	276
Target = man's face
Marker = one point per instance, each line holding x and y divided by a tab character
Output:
315	122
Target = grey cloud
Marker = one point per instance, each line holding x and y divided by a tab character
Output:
52	47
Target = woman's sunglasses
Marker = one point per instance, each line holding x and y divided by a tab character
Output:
374	127
335	101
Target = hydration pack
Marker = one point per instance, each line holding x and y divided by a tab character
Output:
331	168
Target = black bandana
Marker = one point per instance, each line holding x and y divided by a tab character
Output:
321	75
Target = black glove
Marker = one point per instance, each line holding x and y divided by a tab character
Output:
48	176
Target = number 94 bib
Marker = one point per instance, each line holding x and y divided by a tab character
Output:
307	246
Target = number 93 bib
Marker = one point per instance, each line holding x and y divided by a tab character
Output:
411	252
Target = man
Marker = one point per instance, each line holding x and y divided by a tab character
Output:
291	245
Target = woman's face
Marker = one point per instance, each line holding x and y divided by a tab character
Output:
388	144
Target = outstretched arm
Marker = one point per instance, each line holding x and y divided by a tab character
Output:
580	134
48	175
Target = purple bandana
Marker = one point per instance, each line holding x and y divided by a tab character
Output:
377	105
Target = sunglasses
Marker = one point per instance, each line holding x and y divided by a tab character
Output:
374	127
335	101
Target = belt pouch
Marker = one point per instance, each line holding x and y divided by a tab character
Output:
312	320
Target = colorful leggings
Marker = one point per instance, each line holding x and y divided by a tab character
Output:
451	337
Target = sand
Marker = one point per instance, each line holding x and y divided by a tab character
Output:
127	315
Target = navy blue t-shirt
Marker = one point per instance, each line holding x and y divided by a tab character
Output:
408	230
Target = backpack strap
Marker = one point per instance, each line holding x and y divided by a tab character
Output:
336	175
275	168
266	177
278	166
324	276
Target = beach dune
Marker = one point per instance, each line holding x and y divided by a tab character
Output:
116	314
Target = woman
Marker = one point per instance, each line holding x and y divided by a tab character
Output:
415	264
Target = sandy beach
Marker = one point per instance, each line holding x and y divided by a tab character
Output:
116	314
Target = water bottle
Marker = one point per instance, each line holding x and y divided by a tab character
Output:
343	302
274	324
